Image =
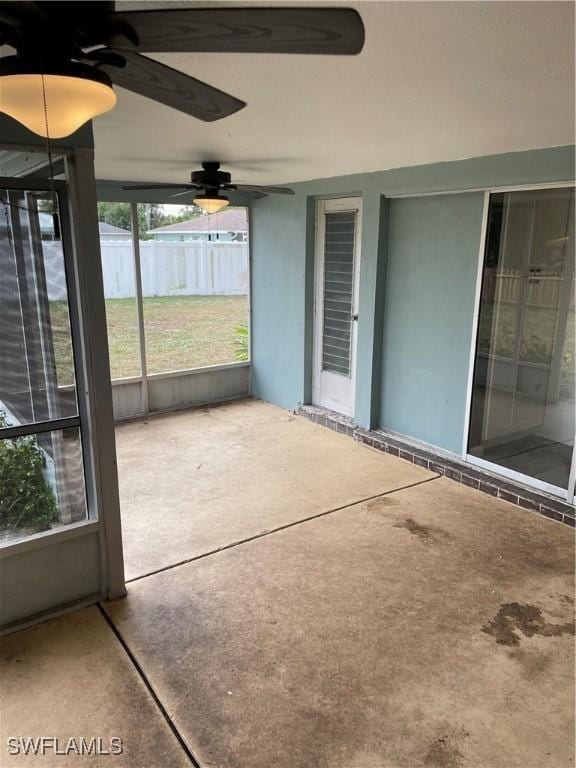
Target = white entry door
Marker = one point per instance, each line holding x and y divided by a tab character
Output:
338	226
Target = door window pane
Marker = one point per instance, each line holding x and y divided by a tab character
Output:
523	411
41	472
36	362
195	287
41	483
119	289
338	292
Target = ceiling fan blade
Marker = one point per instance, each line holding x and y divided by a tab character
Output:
337	31
190	191
187	187
264	190
173	88
21	14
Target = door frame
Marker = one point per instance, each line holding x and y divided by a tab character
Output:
352	203
88	553
567	494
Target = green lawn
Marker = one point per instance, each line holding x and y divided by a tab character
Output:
181	332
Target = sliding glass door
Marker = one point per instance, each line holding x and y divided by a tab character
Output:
522	412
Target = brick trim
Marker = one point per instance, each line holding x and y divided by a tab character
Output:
459	471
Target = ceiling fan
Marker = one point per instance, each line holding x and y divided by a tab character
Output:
69	54
209	183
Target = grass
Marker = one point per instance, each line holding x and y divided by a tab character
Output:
181	332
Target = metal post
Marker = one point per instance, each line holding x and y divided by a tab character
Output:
139	305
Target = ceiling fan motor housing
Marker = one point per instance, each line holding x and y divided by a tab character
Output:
210	177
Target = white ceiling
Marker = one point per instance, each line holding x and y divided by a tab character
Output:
436	81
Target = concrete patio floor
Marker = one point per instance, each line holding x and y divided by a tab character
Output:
395	620
194	481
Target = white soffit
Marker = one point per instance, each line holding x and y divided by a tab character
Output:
436	81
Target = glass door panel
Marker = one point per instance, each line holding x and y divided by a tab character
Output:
522	416
41	460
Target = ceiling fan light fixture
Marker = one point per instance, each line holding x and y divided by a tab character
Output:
74	94
211	203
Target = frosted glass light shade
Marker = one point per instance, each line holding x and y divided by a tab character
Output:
211	204
70	101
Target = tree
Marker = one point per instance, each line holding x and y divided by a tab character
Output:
150	216
119	215
187	213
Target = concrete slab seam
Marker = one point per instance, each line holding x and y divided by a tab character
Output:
140	671
277	530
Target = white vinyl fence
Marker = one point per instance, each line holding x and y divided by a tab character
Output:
508	285
168	269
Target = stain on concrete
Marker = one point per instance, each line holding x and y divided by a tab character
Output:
427	534
443	754
533	664
415	528
527	619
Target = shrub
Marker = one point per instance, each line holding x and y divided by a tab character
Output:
26	498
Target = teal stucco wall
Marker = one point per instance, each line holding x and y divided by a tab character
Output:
433	245
417	285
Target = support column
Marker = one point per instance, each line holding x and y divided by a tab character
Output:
98	389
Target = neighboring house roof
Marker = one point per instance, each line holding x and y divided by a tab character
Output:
230	220
47	225
111	229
